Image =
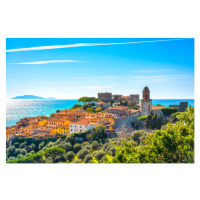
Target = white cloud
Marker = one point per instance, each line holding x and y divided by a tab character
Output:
82	45
44	62
159	76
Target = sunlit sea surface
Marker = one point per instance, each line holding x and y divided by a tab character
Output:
17	109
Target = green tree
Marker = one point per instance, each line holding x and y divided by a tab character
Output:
87	99
95	145
98	110
99	154
91	110
70	139
168	111
54	152
66	146
70	156
159	122
87	158
82	153
175	144
41	145
77	147
97	133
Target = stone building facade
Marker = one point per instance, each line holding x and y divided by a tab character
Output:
134	98
105	97
146	102
181	107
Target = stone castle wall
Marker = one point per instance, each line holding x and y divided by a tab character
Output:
134	98
183	106
105	96
125	121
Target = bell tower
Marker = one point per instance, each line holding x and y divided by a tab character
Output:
146	102
146	93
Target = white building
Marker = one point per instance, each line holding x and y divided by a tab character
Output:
81	126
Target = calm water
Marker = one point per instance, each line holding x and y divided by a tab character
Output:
17	109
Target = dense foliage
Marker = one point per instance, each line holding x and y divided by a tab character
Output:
87	99
173	144
168	111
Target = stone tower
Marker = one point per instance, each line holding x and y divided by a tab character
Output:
146	102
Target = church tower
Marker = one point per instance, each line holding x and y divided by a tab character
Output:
146	102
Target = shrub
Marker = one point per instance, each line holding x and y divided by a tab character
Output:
34	158
77	161
77	147
41	145
136	136
91	110
84	144
98	109
78	140
58	141
131	142
103	159
61	159
23	151
17	152
50	144
31	147
16	144
112	151
22	145
105	146
168	111
88	147
70	139
20	156
54	152
99	154
87	158
97	133
32	152
66	146
11	158
82	153
95	145
77	106
142	118
70	155
11	151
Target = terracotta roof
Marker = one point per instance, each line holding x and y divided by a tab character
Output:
157	107
120	108
82	122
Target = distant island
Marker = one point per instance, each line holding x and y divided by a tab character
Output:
31	97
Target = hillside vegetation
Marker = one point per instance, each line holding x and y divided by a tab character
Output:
174	144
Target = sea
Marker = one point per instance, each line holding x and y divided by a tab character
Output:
17	109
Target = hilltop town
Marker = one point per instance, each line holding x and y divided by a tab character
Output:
117	113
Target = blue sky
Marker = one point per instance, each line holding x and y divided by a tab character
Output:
72	68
